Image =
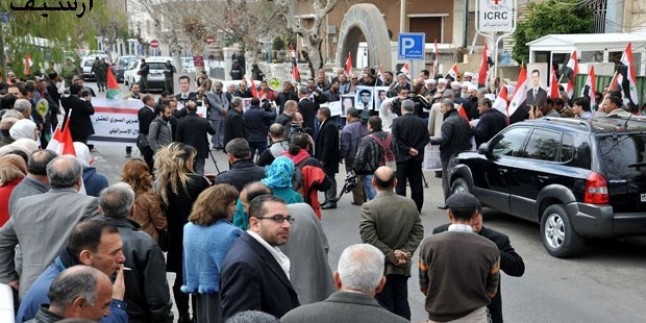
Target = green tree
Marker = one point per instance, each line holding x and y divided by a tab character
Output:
551	17
51	35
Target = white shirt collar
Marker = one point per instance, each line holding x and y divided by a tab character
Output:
280	257
458	227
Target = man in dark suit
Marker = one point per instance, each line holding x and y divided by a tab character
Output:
536	96
244	91
308	109
80	124
510	262
242	170
192	130
327	152
234	124
412	136
145	116
358	279
255	274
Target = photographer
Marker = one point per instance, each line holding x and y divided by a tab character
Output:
258	119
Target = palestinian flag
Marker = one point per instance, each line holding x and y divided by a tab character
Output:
113	86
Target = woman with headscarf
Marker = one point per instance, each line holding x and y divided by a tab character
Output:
279	180
179	186
207	238
148	205
24	128
12	170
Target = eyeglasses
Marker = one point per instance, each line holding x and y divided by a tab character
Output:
279	218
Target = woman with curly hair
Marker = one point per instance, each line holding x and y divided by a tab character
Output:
148	205
179	186
207	238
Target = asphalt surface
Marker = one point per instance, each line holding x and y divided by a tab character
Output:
606	284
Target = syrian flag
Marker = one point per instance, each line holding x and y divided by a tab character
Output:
500	103
296	75
463	113
630	87
554	86
113	86
614	83
28	64
254	90
61	142
406	70
348	65
453	72
436	56
590	88
520	94
572	71
485	63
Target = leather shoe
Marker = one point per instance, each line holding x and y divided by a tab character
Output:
328	206
443	207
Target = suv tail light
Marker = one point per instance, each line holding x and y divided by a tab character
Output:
596	189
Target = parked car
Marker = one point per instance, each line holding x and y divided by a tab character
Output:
578	179
88	61
121	64
155	78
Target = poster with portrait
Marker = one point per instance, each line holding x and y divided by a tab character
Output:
246	104
363	97
432	161
347	101
381	96
336	108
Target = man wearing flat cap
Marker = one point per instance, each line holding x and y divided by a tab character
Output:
459	270
490	123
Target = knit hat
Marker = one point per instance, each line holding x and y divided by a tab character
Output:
463	201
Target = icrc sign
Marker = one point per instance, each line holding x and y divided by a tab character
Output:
496	15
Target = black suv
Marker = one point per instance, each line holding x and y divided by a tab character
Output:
576	178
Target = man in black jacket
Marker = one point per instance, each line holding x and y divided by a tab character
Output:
258	119
510	262
192	130
327	152
234	124
455	137
243	170
308	108
80	124
144	70
147	293
145	116
285	95
412	136
490	123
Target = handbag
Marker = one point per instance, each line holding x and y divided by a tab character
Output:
142	142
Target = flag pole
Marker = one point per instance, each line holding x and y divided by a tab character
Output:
612	81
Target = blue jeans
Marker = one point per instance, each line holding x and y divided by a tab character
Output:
368	189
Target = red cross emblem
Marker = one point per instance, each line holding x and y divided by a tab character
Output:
496	2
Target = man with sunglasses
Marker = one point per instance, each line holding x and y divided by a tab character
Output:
255	273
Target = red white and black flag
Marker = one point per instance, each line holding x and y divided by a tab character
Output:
590	88
296	74
485	63
628	79
571	72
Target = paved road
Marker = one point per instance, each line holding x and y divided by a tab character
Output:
607	284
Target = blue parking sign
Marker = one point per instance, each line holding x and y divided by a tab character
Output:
411	46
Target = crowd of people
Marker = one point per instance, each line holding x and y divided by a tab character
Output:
247	245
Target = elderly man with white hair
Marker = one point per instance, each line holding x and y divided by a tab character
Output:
359	278
93	181
24	107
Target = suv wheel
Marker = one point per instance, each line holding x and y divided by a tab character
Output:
460	185
557	233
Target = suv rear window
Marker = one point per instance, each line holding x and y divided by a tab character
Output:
622	155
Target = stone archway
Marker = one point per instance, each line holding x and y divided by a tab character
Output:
364	20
